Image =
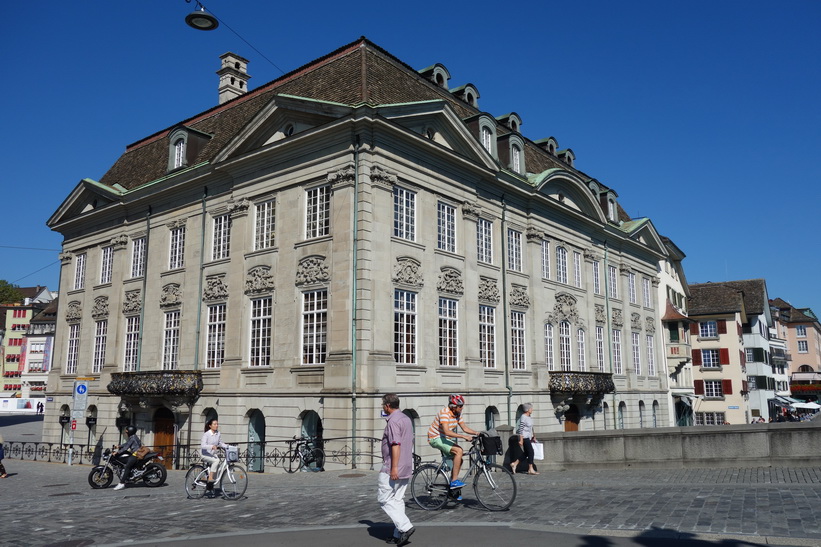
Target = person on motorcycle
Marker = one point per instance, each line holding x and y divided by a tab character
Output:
126	454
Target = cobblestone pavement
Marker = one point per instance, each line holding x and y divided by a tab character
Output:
52	504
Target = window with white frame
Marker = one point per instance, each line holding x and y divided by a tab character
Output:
487	139
215	336
100	337
596	278
631	287
80	272
613	282
645	289
447	332
600	348
561	265
132	342
581	350
516	160
514	250
709	418
318	212
179	153
801	331
176	250
487	336
712	388
138	257
261	322
73	353
545	259
636	346
651	355
577	268
708	329
446	227
264	225
221	241
404	327
617	365
171	341
565	353
106	264
710	358
484	240
517	340
548	347
803	347
314	327
404	213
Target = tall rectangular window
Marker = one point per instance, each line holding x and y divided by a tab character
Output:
176	249
613	282
404	214
514	250
73	353
561	265
801	331
545	259
100	336
132	341
581	347
138	257
446	227
487	336
577	268
107	264
645	290
484	240
596	277
517	340
171	341
803	346
261	322
318	212
617	366
565	352
404	327
712	388
651	355
215	336
314	327
448	327
80	272
548	347
264	225
710	358
600	348
636	346
221	244
708	329
631	287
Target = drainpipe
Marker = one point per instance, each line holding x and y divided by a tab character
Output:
504	310
145	283
353	296
609	328
199	291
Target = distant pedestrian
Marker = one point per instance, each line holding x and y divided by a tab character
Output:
397	468
3	474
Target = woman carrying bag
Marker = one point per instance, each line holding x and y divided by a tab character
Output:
526	431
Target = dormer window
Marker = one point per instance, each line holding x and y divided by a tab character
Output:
487	134
516	158
179	153
184	143
611	209
487	141
467	93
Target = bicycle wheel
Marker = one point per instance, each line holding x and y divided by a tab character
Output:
317	463
292	462
429	487
234	482
195	481
495	487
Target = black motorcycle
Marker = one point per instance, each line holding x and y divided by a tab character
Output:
146	470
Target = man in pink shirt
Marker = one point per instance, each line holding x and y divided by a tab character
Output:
397	468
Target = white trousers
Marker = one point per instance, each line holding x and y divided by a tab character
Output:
392	498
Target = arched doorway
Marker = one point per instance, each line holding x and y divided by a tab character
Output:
256	441
641	413
572	417
165	435
312	427
414	418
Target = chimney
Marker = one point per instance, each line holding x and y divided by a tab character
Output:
233	76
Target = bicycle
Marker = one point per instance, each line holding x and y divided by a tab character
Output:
305	455
494	486
231	477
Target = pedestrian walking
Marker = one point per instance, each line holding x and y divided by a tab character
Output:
397	468
3	474
526	431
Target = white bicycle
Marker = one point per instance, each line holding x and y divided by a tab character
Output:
231	477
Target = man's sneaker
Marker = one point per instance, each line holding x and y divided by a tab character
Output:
119	486
457	484
404	537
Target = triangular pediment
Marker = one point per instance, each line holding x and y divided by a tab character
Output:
569	190
89	195
643	231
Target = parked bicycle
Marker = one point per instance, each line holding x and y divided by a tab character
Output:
231	477
493	485
304	454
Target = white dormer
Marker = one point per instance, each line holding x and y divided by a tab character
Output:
437	74
566	156
487	134
549	145
467	93
512	121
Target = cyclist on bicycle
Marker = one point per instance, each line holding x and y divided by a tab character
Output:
442	435
208	448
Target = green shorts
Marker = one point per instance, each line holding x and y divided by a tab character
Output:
443	444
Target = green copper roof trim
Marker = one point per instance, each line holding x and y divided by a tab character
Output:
631	226
168	176
101	186
427	101
309	100
537	178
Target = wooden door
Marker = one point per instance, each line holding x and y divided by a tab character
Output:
571	419
164	435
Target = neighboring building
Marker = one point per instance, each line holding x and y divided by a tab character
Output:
351	228
16	317
802	332
38	351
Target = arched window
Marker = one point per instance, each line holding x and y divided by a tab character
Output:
605	413
641	413
620	416
487	139
516	159
655	413
564	346
179	153
548	346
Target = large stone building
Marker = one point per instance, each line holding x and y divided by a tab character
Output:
351	228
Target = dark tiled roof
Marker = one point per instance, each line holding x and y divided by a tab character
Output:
724	293
714	298
791	314
673	314
47	314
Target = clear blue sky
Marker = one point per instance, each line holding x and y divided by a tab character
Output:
704	116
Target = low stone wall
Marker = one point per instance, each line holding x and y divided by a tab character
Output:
754	445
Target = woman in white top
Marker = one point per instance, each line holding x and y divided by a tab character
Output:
208	447
526	431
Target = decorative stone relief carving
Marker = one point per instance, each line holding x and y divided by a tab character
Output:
74	312
518	296
239	207
533	234
131	302
176	224
589	254
489	290
618	318
119	242
565	309
382	177
601	316
650	325
259	280
100	309
408	271
312	270
471	209
65	258
624	269
171	296
450	281
215	289
635	321
343	176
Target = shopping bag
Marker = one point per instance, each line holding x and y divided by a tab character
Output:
538	450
